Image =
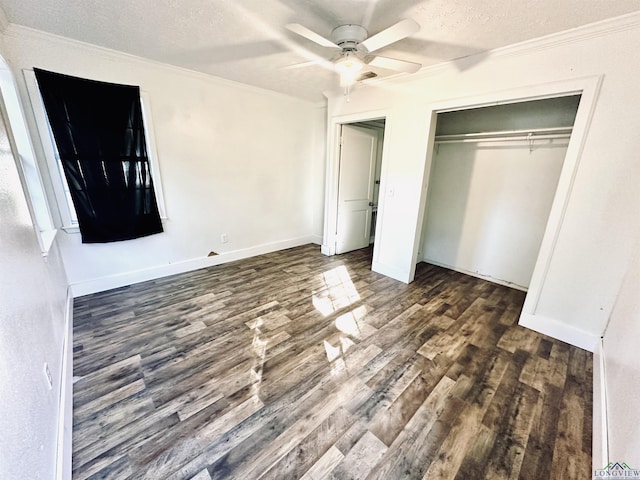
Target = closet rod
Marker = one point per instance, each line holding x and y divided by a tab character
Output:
531	134
504	139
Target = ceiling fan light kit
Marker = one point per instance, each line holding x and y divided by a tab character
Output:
348	67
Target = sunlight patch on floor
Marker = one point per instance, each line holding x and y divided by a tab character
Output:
339	291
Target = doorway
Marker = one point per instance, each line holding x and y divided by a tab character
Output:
493	179
360	148
409	146
533	313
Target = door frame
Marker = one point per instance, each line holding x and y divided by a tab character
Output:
344	245
334	130
588	88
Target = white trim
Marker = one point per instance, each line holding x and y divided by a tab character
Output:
24	155
560	331
334	131
316	239
327	250
128	278
601	28
425	191
600	428
152	152
488	278
588	87
46	239
65	408
73	229
76	228
403	276
44	135
20	32
579	34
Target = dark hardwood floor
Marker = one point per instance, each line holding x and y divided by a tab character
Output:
296	365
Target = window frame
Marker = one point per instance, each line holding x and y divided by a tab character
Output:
23	153
65	206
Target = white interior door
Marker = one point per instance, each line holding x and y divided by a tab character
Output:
355	190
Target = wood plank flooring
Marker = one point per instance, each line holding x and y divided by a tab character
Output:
294	365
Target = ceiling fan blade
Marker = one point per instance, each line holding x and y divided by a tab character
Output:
310	35
395	64
366	77
396	32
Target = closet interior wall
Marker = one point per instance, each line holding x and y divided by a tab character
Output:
493	179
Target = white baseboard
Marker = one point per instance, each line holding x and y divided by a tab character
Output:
316	239
65	409
560	331
327	250
128	278
600	447
395	273
488	278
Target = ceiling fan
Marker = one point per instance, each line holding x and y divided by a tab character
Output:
356	48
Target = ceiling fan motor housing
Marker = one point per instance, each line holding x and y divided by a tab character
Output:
349	36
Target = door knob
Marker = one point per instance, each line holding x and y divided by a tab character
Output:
371	204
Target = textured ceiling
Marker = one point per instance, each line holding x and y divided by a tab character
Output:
245	40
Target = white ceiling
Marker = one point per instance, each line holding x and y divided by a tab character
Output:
245	40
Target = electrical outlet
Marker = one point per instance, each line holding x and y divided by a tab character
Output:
224	238
47	373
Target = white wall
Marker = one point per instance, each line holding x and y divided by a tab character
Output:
32	325
233	159
622	377
593	247
488	207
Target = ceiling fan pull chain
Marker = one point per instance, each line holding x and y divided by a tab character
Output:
347	91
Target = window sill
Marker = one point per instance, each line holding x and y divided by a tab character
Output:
71	229
46	238
76	228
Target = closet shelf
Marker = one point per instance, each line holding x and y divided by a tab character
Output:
507	135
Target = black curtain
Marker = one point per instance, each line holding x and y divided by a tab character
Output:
99	133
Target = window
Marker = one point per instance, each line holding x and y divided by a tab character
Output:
23	152
68	215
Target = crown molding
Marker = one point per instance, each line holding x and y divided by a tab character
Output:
21	32
602	28
630	21
583	33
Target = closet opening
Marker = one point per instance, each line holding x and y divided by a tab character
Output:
493	179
